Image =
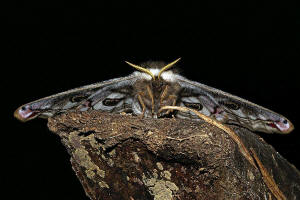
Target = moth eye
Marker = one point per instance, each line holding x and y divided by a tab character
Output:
77	99
111	102
196	106
230	105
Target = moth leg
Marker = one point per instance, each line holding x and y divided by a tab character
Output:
152	98
173	98
164	93
142	103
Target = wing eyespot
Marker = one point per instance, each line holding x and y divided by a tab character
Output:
77	99
230	105
196	106
111	102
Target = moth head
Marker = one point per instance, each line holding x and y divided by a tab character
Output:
147	71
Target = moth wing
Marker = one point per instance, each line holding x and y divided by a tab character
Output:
228	108
110	95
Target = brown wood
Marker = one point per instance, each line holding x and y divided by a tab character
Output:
125	157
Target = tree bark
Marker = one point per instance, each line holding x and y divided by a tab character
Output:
126	157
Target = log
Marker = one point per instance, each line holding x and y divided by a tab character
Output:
126	157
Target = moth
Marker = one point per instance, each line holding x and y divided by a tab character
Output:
147	90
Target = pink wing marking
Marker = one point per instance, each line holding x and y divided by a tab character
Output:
284	126
24	113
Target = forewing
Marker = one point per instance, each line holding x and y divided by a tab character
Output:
230	109
113	96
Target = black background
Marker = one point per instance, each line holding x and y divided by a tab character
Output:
247	48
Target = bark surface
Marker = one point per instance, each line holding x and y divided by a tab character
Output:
126	157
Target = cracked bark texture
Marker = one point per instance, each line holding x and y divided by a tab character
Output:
126	157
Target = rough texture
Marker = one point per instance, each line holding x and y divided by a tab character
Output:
126	157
